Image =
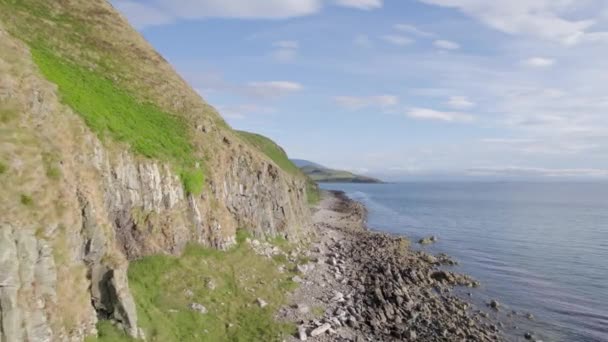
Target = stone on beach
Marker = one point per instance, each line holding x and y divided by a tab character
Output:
320	330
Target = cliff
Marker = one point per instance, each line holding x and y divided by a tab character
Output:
107	156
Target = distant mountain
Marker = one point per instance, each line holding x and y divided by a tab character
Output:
302	163
320	173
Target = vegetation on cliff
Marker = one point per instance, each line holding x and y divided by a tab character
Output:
227	284
100	132
278	155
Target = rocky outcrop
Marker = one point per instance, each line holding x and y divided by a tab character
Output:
76	209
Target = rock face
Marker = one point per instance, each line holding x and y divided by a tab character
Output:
75	209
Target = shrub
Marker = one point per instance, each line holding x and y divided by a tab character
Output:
26	200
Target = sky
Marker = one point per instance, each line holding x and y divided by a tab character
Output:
401	88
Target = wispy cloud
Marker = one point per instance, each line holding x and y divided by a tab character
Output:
273	89
538	62
242	111
537	172
460	102
431	114
536	18
285	50
355	103
411	29
360	4
398	40
149	13
446	44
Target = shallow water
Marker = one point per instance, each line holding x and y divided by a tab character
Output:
540	248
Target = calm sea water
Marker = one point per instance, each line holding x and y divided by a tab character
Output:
540	248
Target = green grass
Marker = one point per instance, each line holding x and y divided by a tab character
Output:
160	285
272	150
112	112
194	181
109	333
3	168
313	194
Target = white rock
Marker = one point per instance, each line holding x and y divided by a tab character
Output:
302	333
320	330
200	308
262	303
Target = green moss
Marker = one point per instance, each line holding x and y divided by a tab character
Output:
3	168
240	276
272	150
26	200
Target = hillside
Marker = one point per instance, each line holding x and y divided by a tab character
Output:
322	174
116	174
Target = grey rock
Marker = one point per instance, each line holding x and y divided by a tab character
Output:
200	308
320	330
302	333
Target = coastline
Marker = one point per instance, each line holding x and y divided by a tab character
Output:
361	285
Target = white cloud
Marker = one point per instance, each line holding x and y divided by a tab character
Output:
148	13
431	114
355	103
241	111
360	4
538	62
413	30
535	172
446	44
363	40
272	89
285	55
460	102
286	50
538	18
397	39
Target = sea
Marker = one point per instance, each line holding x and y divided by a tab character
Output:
536	248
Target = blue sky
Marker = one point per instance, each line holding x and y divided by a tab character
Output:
401	88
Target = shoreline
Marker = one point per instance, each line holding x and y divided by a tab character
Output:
362	285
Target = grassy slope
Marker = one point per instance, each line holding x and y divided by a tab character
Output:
72	55
278	155
272	150
127	95
240	277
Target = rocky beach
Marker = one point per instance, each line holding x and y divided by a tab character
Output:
361	285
